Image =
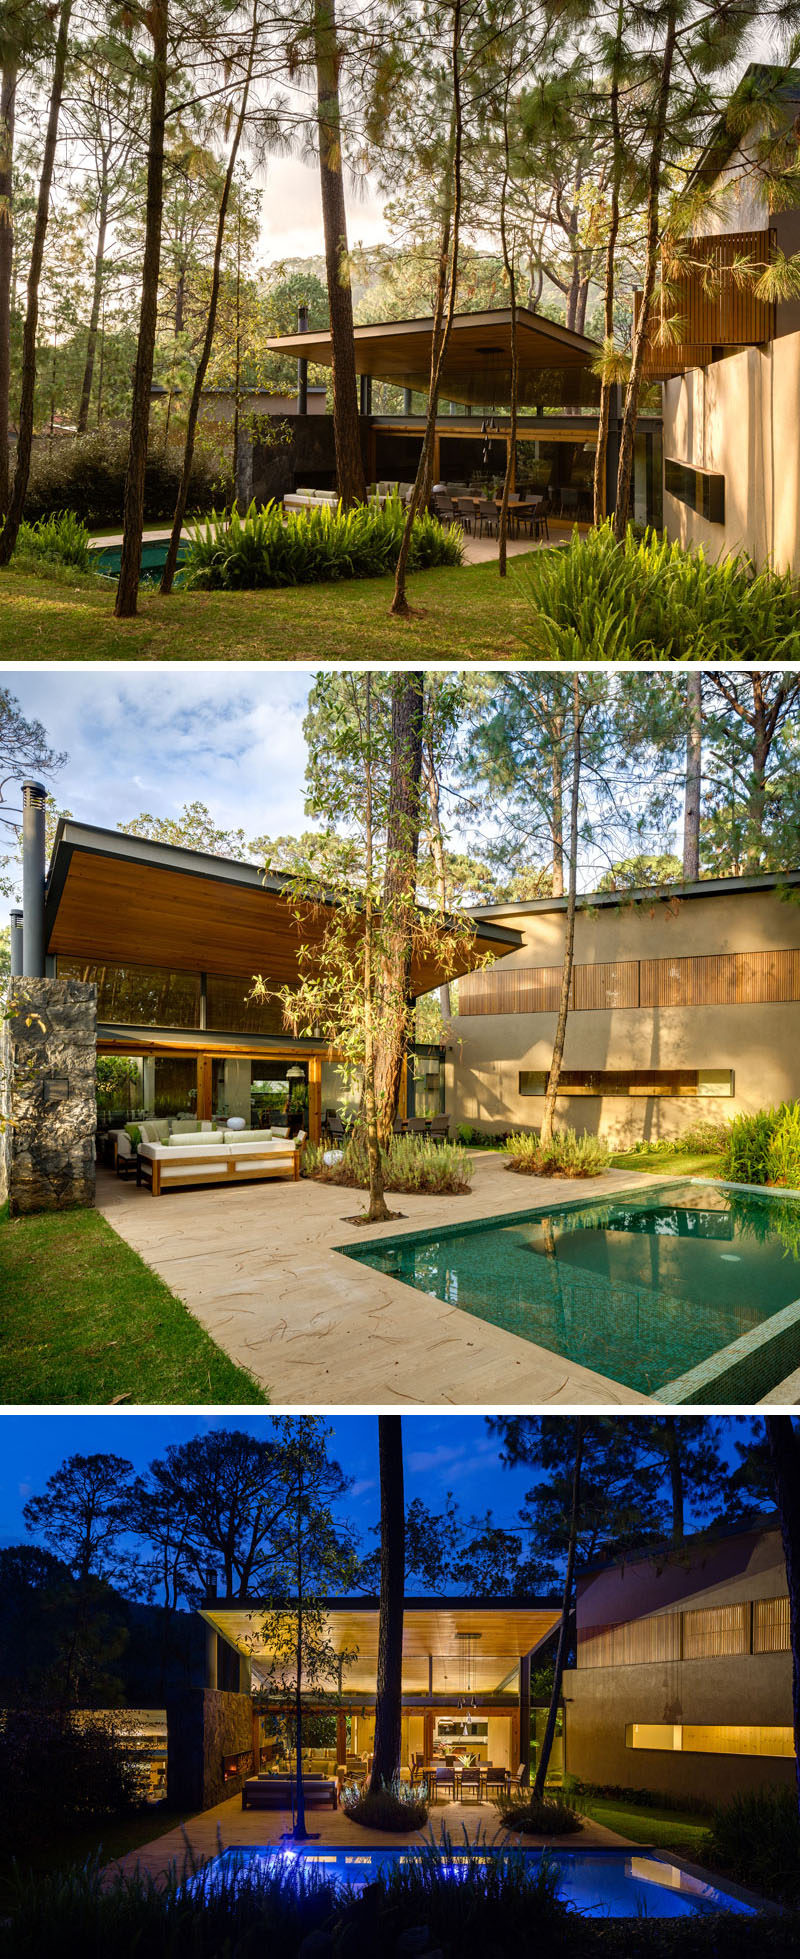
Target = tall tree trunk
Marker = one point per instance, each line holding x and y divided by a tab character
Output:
97	296
133	510
378	1211
179	513
672	1450
399	891
635	378
566	1614
757	796
8	91
16	501
606	385
510	270
299	1832
439	866
784	1449
442	324
694	764
346	427
557	811
389	1698
569	941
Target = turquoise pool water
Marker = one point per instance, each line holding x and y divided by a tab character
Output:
106	559
681	1290
598	1883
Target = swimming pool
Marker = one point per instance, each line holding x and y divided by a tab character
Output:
685	1291
598	1883
106	558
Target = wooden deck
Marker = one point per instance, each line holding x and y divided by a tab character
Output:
228	1826
258	1268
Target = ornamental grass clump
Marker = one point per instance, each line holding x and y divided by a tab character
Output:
411	1163
395	1807
58	540
231	552
746	1157
566	1155
783	1150
650	599
755	1839
538	1817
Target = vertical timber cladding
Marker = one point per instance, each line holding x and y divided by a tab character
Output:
704	980
49	1084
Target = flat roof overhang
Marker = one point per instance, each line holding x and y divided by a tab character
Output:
118	898
504	1631
477	365
646	894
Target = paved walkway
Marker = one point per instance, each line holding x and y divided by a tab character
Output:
257	1265
228	1825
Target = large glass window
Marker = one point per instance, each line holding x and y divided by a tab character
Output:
230	1008
138	996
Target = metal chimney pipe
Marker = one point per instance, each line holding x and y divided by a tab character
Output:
16	944
302	365
34	798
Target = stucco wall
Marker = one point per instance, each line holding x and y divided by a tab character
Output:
739	417
601	1701
760	1043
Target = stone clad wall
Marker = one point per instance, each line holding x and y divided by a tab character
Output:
204	1725
268	470
49	1031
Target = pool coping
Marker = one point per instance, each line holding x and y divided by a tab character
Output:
694	1387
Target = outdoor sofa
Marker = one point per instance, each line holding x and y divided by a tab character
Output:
280	1792
223	1156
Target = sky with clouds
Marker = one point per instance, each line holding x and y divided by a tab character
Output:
442	1452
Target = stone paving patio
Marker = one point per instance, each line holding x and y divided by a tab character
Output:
228	1825
257	1266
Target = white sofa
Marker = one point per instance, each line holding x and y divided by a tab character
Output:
230	1156
310	499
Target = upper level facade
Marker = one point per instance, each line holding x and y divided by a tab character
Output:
684	1003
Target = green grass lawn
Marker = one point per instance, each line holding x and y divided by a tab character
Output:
668	1829
461	612
668	1163
83	1318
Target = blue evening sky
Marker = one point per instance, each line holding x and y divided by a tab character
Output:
441	1452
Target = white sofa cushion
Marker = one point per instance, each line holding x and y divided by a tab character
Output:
248	1135
203	1136
156	1130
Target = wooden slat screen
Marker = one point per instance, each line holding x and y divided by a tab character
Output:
771	1626
715	1631
730	315
717	979
634	1643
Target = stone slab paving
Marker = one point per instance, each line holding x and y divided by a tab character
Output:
257	1266
228	1825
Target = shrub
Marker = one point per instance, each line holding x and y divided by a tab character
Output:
86	475
310	546
783	1149
57	1772
61	539
746	1156
484	1139
395	1807
566	1155
651	599
545	1818
755	1839
411	1163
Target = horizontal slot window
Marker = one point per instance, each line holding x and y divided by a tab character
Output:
702	490
631	1081
668	1737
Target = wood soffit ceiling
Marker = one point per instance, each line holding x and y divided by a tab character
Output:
478	362
119	908
503	1634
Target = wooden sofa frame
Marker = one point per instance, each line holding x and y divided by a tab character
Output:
148	1169
280	1792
